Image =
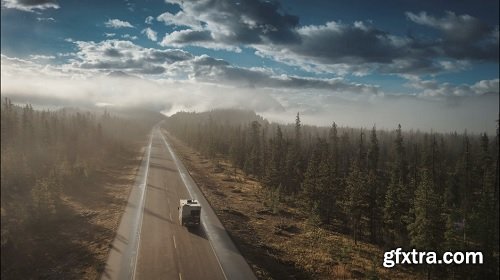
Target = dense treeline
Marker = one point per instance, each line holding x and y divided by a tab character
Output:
429	191
45	153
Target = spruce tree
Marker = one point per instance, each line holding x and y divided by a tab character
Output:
356	203
335	180
294	162
276	167
310	183
397	198
426	232
375	193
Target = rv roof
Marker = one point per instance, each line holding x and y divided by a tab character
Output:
189	201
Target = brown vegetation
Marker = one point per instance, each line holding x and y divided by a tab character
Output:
392	189
65	179
277	239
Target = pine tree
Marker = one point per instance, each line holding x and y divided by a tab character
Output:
298	133
334	189
397	199
334	150
253	160
317	185
466	191
356	203
426	232
294	160
496	207
375	193
481	218
357	192
275	171
310	185
328	197
344	155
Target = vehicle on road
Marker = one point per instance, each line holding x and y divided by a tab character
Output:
189	212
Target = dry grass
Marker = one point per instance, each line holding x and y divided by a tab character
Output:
75	245
279	242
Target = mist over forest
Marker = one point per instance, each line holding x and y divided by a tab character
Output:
474	114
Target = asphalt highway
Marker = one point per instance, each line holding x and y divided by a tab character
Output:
151	244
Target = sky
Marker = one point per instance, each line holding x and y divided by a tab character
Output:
428	65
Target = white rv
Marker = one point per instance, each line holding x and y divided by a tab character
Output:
189	212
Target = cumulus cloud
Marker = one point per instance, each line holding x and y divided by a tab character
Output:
319	101
116	23
242	22
334	47
180	19
16	67
201	38
150	33
47	19
125	55
432	88
116	55
460	28
357	48
207	69
42	57
27	81
464	36
149	20
128	36
30	5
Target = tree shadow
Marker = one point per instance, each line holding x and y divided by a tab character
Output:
61	248
156	215
161	167
263	259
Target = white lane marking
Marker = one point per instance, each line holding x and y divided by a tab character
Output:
180	276
171	216
175	244
143	197
183	177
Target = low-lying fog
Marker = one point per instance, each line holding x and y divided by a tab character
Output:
317	106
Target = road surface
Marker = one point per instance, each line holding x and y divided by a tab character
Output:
150	243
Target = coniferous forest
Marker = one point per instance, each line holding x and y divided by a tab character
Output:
47	154
400	188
